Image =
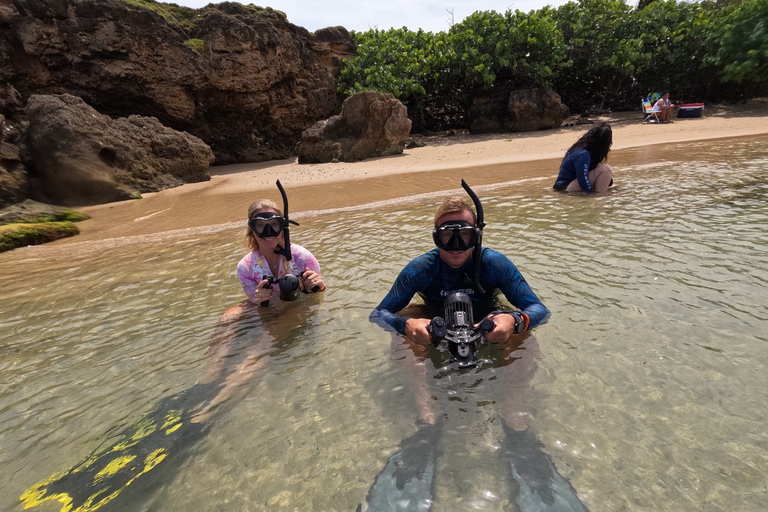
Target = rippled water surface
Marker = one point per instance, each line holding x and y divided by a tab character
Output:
650	388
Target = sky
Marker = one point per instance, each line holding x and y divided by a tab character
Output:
362	15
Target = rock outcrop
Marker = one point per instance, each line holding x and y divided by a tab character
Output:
82	157
504	110
240	77
370	124
14	186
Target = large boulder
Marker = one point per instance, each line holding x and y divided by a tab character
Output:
504	110
240	77
371	124
81	157
13	175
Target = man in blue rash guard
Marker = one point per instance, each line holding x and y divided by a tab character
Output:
407	480
441	271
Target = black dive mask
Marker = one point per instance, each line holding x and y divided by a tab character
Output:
456	235
267	224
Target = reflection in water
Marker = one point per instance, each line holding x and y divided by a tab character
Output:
650	392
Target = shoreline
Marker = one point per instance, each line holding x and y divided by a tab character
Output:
492	158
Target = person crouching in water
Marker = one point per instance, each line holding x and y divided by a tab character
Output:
584	168
265	237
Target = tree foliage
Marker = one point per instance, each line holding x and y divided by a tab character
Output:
594	53
742	52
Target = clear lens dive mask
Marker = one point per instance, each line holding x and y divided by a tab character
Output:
455	235
267	224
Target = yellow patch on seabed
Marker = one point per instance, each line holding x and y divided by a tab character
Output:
36	495
172	420
113	467
144	428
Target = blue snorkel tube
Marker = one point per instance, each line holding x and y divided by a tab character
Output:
477	253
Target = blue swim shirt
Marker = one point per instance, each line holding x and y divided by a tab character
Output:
433	280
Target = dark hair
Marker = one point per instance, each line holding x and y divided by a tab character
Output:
597	141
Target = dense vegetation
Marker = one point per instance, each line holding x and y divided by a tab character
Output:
596	54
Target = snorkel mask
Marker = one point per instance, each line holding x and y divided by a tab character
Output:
267	224
270	225
456	235
460	235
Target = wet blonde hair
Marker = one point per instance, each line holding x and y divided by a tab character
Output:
251	240
455	204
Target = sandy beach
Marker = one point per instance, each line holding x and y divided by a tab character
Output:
438	165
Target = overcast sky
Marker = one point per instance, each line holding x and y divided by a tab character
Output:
361	15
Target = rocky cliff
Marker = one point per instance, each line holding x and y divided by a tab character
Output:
241	78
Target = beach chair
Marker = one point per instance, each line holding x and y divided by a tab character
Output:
649	116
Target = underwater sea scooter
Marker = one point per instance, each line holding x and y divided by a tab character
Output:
289	284
457	328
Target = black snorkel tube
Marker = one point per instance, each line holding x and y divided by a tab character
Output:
478	250
286	250
289	283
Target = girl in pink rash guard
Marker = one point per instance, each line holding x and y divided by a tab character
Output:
260	269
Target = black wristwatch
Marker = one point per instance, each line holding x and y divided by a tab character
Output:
519	321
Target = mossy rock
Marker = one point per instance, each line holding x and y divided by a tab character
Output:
196	45
184	17
59	216
13	236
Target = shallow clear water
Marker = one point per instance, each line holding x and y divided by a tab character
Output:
650	390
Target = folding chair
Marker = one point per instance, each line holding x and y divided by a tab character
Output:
649	116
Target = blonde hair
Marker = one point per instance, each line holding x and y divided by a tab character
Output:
251	240
455	204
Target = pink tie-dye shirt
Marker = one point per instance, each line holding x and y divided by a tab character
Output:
253	268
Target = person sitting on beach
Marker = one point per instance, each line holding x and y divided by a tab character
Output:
584	168
266	238
664	108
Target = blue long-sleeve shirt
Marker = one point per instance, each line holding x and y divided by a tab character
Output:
433	280
575	165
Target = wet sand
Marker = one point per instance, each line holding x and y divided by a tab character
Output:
438	166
